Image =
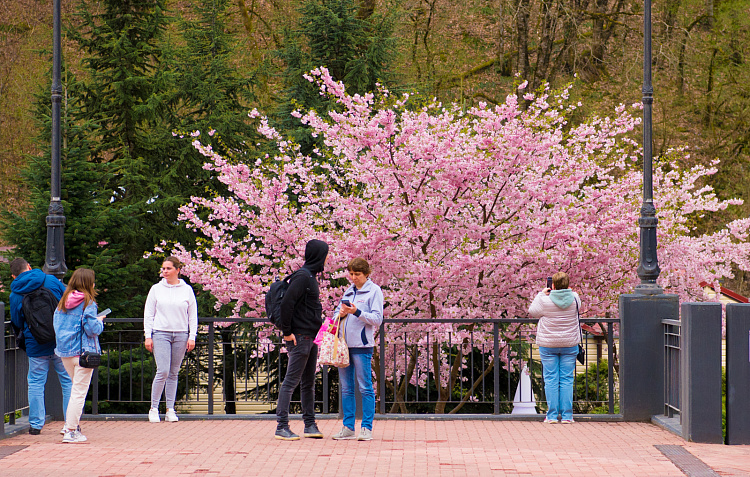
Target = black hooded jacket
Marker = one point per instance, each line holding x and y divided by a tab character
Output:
301	311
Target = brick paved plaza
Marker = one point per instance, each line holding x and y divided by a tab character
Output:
401	447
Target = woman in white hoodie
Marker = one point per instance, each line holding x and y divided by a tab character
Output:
557	336
170	322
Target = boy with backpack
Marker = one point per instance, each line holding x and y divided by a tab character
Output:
300	319
34	295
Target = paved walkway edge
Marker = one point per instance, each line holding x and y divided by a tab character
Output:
378	417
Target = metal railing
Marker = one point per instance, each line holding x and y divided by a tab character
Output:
484	360
672	330
15	366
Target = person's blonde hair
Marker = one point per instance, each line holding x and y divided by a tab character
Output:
561	280
82	281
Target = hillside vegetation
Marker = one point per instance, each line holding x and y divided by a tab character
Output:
469	52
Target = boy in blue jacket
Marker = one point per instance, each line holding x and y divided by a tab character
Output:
26	280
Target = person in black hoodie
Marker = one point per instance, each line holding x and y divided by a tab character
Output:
301	318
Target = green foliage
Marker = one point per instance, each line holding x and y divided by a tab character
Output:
124	174
590	390
93	230
330	33
210	92
125	379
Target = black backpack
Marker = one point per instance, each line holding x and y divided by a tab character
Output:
38	309
274	297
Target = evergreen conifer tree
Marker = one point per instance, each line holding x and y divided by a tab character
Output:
211	94
331	33
92	227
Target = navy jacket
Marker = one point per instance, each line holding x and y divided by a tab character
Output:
301	310
24	283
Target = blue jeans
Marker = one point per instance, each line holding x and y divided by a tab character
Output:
37	379
359	372
558	366
303	360
169	350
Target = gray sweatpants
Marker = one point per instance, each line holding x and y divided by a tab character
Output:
169	350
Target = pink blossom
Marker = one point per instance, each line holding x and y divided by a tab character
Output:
462	214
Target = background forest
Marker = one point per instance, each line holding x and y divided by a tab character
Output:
138	72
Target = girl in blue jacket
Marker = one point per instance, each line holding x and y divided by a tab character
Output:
77	329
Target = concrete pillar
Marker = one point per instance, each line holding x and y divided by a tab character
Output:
738	374
642	353
700	372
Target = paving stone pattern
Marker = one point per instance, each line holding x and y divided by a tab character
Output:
400	448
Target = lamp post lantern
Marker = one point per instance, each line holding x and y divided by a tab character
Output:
648	266
54	262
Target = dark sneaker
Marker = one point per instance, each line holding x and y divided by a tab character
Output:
34	431
313	431
286	435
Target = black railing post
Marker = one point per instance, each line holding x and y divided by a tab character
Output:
381	378
496	370
3	374
611	367
210	367
95	393
324	371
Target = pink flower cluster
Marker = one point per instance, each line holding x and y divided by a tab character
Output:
461	213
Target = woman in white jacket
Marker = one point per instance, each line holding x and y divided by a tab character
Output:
557	336
170	323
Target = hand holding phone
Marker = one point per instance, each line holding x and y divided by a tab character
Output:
344	303
104	313
549	282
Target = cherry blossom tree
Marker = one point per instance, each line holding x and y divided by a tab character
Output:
462	214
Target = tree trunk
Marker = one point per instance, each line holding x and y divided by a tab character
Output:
709	22
366	9
671	7
444	392
546	43
399	396
709	112
522	37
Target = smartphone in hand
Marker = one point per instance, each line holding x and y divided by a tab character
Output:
549	282
346	302
104	313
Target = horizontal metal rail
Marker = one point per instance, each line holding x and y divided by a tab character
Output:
464	369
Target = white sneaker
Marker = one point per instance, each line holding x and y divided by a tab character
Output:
65	429
74	437
365	434
153	415
171	416
344	433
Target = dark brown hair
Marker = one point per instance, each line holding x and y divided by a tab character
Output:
83	280
360	265
18	266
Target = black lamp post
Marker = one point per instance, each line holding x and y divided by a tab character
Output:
54	262
648	266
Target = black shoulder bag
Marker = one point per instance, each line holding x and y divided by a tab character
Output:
88	359
581	356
